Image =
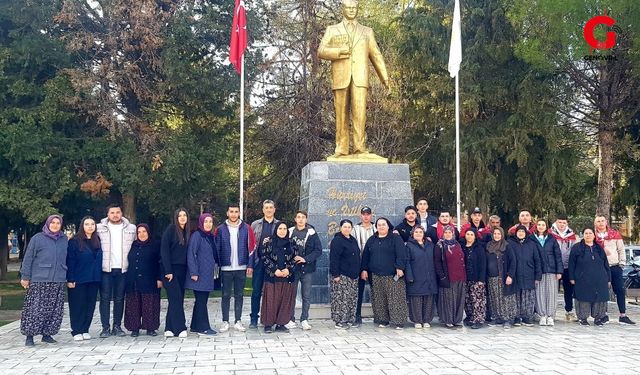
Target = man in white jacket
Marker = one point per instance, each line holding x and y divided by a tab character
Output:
116	235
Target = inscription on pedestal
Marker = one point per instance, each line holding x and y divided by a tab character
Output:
331	191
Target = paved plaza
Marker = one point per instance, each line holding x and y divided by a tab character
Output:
564	349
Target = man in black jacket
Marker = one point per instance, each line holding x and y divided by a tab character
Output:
309	249
406	226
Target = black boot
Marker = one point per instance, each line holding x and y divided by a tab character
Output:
29	341
117	331
106	332
48	339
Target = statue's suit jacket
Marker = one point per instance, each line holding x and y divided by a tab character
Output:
356	66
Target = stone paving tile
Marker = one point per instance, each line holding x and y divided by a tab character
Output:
564	349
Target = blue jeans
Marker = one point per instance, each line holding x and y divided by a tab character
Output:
112	287
361	286
306	286
617	284
256	295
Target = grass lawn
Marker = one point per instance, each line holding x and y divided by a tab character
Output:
11	293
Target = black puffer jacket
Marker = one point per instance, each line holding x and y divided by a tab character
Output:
550	255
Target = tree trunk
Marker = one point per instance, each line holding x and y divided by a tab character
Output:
631	222
605	171
129	206
4	250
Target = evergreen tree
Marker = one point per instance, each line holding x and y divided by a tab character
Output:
513	153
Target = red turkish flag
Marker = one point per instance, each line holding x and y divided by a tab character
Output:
238	35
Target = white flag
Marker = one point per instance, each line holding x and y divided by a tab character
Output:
455	50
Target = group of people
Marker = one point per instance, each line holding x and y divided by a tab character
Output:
420	266
124	264
480	274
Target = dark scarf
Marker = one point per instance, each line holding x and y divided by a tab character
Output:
452	241
277	242
475	233
137	242
526	231
497	247
281	243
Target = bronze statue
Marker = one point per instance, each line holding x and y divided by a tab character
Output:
349	46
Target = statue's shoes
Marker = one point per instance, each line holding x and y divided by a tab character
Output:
370	156
337	156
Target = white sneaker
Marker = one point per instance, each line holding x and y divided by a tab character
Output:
239	327
305	325
418	326
543	320
426	325
550	321
86	336
168	334
291	325
183	334
224	327
78	337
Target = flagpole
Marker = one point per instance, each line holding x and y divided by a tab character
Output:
455	58
458	202
241	203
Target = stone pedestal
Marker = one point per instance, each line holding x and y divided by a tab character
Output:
332	191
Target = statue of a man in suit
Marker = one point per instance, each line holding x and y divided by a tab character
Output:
350	46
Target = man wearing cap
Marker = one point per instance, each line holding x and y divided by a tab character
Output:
362	231
406	226
475	223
